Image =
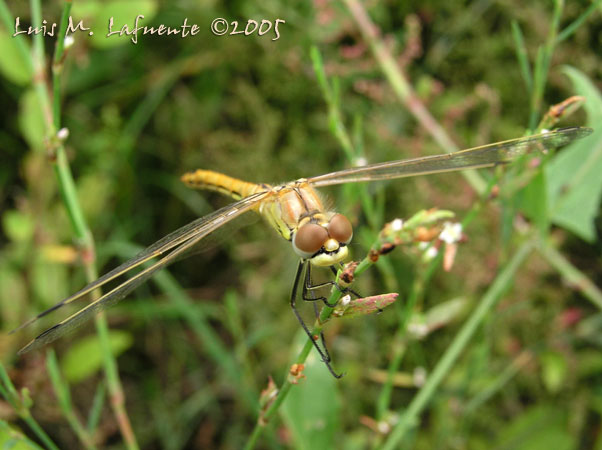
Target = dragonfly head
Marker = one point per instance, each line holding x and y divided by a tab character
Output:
323	242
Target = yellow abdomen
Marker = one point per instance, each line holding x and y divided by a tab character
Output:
218	182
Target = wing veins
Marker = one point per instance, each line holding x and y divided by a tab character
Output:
473	158
185	237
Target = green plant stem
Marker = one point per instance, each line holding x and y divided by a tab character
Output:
339	130
411	414
325	314
570	273
97	404
117	396
403	89
83	236
522	56
570	29
542	65
400	345
384	398
21	404
499	382
9	22
57	64
37	58
61	390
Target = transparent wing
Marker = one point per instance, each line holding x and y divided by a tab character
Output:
473	158
180	241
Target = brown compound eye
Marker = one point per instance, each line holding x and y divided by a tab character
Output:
308	239
340	228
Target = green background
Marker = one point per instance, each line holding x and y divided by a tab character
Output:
196	344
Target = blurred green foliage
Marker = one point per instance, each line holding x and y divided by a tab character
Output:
197	343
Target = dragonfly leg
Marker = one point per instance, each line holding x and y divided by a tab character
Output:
344	290
309	288
323	353
317	314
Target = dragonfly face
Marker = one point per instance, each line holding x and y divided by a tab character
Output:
323	242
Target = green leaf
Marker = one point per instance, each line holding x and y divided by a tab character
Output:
84	358
31	120
553	370
312	409
574	183
539	428
533	201
17	226
12	65
13	439
96	15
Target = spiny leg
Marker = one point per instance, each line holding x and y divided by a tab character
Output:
324	355
317	314
309	287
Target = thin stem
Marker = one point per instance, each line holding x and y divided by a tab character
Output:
83	236
97	405
39	74
9	22
61	390
404	90
410	415
117	396
21	404
40	433
339	130
325	314
569	30
542	65
570	273
499	382
399	340
521	54
58	63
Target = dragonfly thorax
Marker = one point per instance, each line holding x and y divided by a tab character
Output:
323	238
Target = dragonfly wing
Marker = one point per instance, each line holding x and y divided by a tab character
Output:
183	239
474	158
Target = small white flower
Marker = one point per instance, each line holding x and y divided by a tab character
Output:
359	162
419	376
452	232
545	131
418	330
62	134
346	300
430	253
383	427
69	41
397	225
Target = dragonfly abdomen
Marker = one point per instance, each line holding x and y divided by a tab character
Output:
218	182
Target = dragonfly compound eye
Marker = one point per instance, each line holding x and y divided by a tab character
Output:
308	239
340	228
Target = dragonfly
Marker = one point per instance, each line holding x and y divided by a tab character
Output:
295	210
